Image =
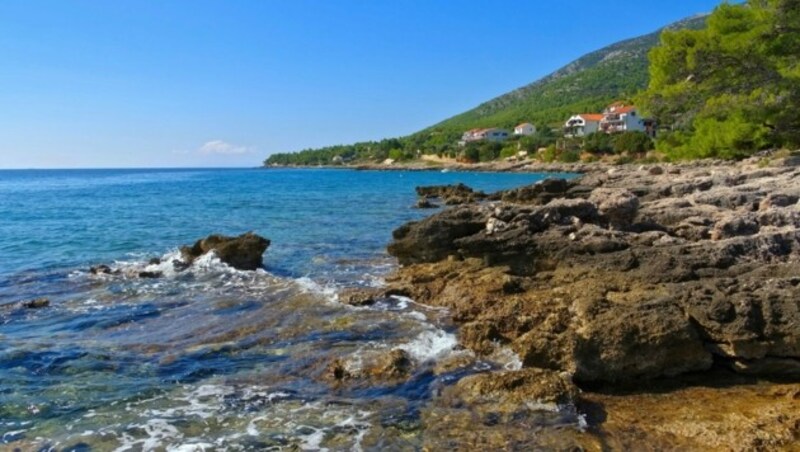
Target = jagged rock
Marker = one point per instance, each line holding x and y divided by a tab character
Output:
734	226
539	193
424	203
611	287
432	239
778	200
450	194
243	252
618	206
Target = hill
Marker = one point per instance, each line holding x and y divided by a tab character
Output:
587	84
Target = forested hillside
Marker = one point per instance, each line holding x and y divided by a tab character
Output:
588	84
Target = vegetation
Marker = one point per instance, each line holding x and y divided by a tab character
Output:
732	88
585	85
725	85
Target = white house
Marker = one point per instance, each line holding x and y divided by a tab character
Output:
525	129
491	134
583	124
619	117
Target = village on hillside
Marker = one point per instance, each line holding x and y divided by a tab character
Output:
616	118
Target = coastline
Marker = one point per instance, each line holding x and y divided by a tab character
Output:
630	291
528	166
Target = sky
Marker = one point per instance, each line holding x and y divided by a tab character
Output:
200	83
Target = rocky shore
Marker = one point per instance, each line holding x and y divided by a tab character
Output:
654	294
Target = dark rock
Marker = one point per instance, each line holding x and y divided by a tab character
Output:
655	171
243	252
539	193
778	200
451	195
180	265
154	261
433	238
424	203
149	274
37	303
101	270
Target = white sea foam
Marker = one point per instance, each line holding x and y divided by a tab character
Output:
308	285
191	447
430	344
313	441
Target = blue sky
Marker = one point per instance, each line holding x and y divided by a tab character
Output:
225	83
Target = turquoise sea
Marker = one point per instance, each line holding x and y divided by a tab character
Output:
211	358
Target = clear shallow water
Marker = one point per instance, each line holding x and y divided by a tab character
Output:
211	357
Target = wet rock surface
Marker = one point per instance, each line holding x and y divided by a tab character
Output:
243	252
37	303
626	276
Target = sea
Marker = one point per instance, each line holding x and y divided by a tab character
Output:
213	358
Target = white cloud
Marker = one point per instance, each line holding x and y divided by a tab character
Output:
220	147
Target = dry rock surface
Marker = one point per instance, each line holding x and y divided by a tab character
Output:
624	276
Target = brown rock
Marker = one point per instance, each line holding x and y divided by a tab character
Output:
243	252
360	296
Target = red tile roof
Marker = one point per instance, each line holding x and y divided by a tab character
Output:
591	116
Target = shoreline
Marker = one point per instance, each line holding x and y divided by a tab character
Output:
529	166
632	290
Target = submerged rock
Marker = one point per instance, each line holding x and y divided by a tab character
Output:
360	296
391	366
102	269
37	303
149	274
243	252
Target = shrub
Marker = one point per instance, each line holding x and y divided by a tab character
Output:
635	142
569	156
598	143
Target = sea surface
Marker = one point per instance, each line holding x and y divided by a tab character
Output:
212	358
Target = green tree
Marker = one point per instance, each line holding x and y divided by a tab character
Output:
732	88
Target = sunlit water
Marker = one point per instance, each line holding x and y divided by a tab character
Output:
212	358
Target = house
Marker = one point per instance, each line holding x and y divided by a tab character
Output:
582	125
491	134
619	117
525	129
